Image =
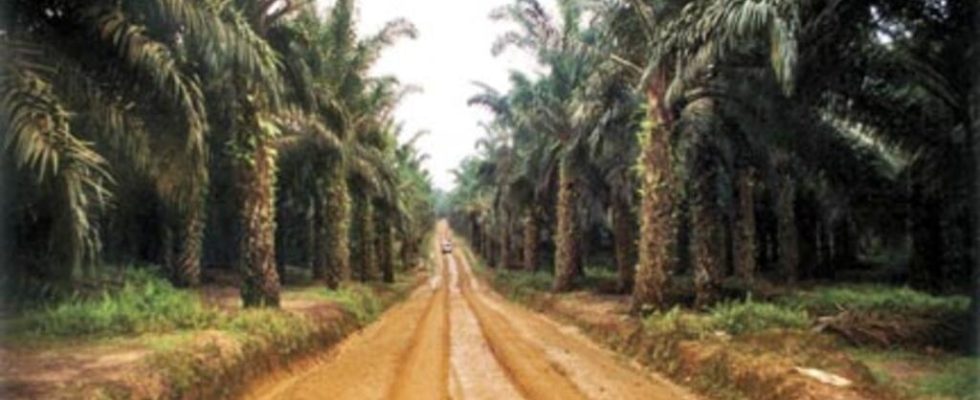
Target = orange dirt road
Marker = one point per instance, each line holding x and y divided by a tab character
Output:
454	338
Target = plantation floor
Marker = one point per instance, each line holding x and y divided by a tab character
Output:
456	338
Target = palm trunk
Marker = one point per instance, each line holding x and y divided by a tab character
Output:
657	252
789	256
504	244
708	221
320	224
190	234
254	175
282	237
623	244
567	232
363	240
744	244
333	248
973	13
385	239
531	241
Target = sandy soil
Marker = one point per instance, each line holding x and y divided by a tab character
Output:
456	338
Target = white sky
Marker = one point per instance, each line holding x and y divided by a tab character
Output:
451	51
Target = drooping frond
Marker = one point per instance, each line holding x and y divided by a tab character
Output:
38	139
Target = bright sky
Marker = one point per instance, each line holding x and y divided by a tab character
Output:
451	51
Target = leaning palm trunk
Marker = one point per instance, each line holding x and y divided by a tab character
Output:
531	241
623	244
744	246
657	252
566	238
789	256
255	164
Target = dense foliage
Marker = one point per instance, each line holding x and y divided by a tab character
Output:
224	133
722	146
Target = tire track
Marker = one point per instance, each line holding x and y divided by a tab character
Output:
478	373
423	371
527	366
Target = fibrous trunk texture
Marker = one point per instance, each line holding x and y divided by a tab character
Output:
973	12
531	241
335	222
706	179
567	232
657	251
623	243
385	239
789	256
254	176
744	245
190	235
504	244
363	240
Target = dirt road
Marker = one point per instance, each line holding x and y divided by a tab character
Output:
455	338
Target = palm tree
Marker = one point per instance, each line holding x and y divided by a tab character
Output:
65	106
556	111
682	46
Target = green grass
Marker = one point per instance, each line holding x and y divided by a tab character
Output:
890	299
521	285
927	376
289	332
751	316
358	299
735	318
144	303
677	322
147	303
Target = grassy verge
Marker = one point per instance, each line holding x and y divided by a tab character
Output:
145	303
194	350
936	376
752	349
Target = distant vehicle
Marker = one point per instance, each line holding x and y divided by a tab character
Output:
447	247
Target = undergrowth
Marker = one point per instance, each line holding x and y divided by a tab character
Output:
148	303
942	376
878	298
735	318
740	317
144	303
356	298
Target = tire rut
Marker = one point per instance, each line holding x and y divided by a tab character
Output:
423	372
526	365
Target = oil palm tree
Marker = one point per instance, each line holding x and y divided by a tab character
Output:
61	104
556	110
678	43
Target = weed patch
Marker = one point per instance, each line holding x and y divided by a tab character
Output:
740	317
145	303
876	298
